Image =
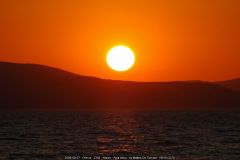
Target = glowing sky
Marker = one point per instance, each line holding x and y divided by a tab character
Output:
172	40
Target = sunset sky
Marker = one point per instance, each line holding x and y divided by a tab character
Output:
172	40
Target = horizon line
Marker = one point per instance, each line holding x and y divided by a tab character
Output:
78	74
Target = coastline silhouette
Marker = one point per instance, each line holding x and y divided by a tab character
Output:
38	87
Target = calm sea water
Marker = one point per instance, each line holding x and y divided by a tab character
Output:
185	135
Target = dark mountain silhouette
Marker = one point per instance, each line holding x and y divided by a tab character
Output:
37	87
233	84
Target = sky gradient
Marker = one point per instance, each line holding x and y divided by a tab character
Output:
172	40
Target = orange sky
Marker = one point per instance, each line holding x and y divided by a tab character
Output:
173	40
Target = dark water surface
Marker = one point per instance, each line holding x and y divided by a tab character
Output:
185	135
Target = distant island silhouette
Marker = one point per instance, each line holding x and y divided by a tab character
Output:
40	88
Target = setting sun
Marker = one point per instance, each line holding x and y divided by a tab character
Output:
120	58
120	79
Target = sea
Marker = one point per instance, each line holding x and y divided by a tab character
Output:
165	135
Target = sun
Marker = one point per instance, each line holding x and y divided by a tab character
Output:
120	58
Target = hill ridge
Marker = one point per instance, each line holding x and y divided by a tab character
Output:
39	87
